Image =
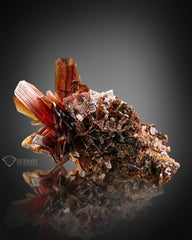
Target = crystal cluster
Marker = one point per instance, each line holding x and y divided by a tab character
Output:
99	135
97	131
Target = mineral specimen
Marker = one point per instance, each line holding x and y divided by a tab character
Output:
110	150
97	131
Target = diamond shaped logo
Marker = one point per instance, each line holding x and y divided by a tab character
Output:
9	160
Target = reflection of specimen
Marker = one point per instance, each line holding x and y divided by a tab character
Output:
84	208
101	136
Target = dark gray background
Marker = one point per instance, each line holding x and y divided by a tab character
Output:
138	49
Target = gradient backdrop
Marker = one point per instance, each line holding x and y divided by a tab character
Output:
138	49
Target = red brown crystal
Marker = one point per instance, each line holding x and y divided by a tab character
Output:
104	133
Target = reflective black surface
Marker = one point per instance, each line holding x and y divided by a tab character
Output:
83	208
141	51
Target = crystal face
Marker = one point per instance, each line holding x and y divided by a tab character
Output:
110	150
